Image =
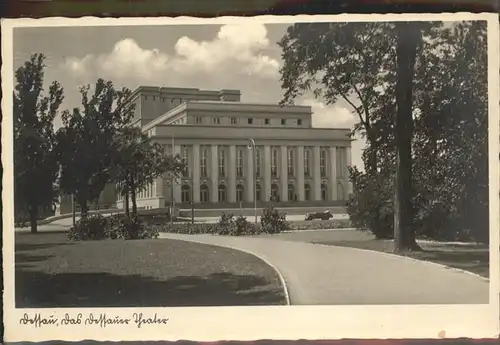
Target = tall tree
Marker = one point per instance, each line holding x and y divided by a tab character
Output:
353	63
86	141
35	166
138	162
409	36
451	137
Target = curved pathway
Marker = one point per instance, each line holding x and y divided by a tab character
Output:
319	274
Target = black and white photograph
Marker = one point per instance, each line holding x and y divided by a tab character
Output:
250	165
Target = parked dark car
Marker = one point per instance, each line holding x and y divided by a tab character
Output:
325	215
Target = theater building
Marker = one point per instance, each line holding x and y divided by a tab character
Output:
238	151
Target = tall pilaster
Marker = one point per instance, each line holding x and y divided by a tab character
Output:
196	173
284	173
177	181
214	174
249	192
316	173
158	192
333	173
267	172
300	173
232	174
348	183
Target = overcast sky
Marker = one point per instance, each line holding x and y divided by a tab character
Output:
242	57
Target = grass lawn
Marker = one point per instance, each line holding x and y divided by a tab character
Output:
54	272
471	257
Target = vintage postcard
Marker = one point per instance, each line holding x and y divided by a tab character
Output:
302	177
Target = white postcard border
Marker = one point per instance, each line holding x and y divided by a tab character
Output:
254	323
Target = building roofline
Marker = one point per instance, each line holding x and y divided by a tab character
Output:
252	104
159	89
186	106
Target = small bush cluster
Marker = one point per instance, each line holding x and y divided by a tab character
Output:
228	225
97	227
93	227
187	228
322	224
273	221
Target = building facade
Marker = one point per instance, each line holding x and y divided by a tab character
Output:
238	152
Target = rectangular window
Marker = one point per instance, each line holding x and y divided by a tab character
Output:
257	162
239	162
322	162
234	120
299	122
222	162
250	121
307	162
203	162
266	121
199	119
274	163
290	161
283	121
217	120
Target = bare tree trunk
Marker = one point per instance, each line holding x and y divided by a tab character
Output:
372	157
133	195
409	36
33	211
127	203
84	208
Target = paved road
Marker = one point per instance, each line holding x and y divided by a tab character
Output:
316	274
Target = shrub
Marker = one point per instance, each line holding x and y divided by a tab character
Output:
188	228
272	221
226	224
244	227
92	227
370	206
97	227
127	228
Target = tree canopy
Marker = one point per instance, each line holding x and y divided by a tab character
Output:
86	145
138	162
35	166
356	63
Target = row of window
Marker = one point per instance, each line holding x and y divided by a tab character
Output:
275	157
236	120
146	193
172	100
186	193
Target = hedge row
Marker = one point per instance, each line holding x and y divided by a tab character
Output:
249	228
97	227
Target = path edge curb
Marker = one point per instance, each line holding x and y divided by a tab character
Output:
458	270
280	275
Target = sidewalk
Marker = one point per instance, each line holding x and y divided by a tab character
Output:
317	274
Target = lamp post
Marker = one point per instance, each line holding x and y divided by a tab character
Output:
253	147
73	208
192	199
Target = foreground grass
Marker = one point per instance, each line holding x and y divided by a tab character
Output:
54	272
471	257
